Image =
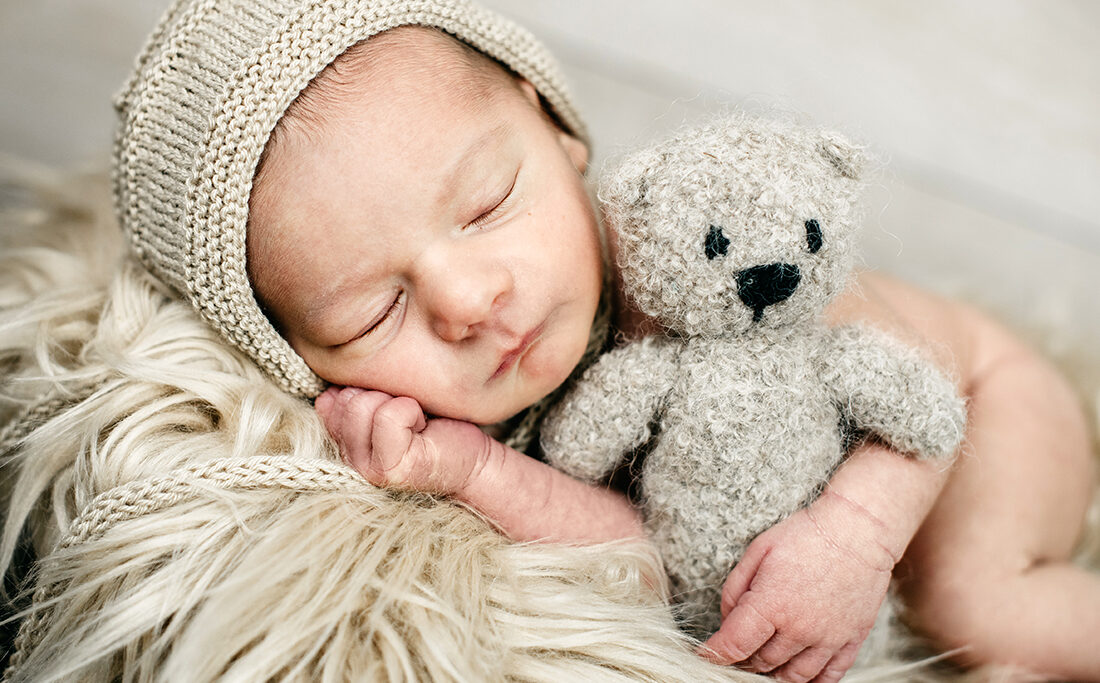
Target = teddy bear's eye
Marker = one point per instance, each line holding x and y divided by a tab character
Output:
716	243
813	235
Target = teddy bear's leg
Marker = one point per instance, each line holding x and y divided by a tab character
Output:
698	609
697	565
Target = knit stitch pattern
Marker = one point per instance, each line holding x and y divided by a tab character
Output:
209	88
735	235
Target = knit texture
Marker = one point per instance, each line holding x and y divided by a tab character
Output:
207	91
735	235
191	522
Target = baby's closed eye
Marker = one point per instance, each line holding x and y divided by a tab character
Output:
498	207
380	321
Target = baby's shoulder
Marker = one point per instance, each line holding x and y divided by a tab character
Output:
955	335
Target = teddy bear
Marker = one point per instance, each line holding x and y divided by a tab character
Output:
734	235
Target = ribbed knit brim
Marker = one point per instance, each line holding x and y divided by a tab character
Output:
208	89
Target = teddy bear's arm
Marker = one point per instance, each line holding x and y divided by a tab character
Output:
610	410
887	388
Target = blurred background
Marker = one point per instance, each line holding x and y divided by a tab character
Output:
985	116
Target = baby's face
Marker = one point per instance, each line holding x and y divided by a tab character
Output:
431	239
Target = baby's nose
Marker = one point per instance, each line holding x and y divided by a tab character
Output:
463	303
762	286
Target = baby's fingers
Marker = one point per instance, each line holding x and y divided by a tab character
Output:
779	650
742	633
805	666
740	578
396	422
840	663
326	404
348	413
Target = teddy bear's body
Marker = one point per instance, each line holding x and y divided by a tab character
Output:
747	472
735	236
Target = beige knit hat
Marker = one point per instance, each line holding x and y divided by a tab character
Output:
208	89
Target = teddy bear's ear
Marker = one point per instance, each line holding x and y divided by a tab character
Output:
624	190
848	159
638	192
625	184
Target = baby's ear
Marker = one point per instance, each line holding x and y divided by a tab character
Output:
575	149
529	91
848	159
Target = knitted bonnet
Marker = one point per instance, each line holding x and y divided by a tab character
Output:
206	93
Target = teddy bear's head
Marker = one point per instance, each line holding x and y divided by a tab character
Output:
742	224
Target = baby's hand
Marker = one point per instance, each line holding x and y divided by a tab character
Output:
391	443
806	593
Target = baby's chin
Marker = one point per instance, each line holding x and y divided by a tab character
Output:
537	375
488	415
487	412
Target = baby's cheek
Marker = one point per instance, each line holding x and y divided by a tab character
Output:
553	359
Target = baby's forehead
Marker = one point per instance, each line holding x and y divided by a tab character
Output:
403	69
406	55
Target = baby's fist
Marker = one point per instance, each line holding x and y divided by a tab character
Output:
391	443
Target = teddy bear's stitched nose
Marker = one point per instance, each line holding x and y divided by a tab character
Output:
762	286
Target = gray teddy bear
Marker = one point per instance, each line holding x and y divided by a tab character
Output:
735	235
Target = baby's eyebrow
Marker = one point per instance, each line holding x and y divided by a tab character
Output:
320	306
465	160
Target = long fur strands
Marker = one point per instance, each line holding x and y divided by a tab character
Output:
190	521
108	382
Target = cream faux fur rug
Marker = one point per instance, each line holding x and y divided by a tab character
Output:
194	523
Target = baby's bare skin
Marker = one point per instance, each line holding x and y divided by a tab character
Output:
987	570
476	301
391	443
973	551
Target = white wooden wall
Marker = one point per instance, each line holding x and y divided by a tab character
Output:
995	101
985	112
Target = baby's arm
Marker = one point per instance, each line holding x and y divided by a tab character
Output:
391	443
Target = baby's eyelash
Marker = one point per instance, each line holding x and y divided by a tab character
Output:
397	301
497	208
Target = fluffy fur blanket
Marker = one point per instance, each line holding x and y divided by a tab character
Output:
192	522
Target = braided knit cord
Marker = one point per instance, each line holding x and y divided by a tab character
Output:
138	498
40	411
